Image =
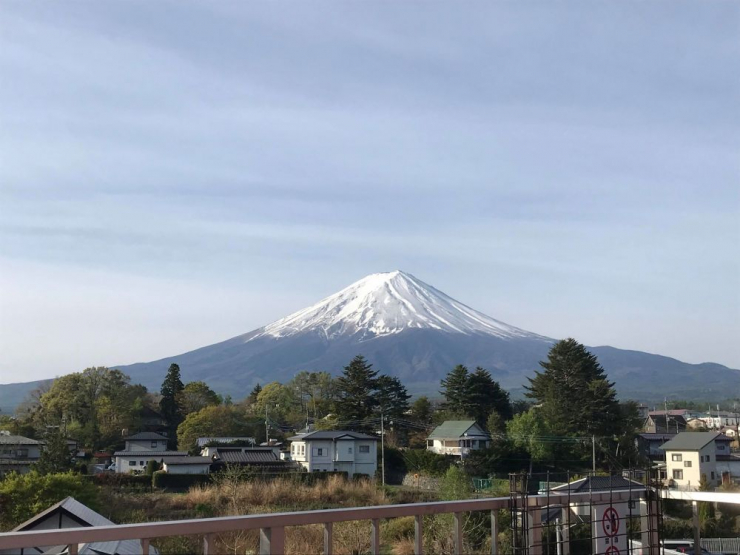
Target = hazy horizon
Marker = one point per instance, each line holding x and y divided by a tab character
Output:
174	174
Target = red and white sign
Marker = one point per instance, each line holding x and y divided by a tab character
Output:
609	532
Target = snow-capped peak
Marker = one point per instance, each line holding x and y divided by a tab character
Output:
385	304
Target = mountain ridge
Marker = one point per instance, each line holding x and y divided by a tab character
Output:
411	330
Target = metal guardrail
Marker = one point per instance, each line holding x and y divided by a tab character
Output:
272	526
721	545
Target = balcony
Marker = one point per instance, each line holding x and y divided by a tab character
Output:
272	526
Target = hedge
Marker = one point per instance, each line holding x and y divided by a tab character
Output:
164	480
136	481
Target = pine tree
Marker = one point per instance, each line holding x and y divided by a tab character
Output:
355	400
487	396
392	397
574	394
169	405
252	398
456	391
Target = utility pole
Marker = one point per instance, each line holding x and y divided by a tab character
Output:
267	427
382	448
593	454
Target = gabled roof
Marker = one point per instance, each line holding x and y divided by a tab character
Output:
453	429
690	441
334	436
599	483
146	436
17	440
85	516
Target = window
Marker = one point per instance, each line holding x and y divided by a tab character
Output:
364	449
318	452
132	463
709	458
676	457
154	444
350	450
687	464
678	474
712	475
142	463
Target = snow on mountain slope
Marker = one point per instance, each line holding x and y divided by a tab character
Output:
385	304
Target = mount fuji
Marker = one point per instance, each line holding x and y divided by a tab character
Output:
409	329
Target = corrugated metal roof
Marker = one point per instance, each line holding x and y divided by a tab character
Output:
91	518
452	429
690	441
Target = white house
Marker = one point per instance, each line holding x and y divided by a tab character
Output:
142	448
209	445
458	438
350	452
70	513
187	465
691	456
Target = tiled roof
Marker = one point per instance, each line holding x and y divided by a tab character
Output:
146	436
204	441
333	435
150	454
452	429
251	456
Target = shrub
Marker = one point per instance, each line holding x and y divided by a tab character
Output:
163	480
25	495
123	481
423	461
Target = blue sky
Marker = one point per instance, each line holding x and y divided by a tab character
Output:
176	173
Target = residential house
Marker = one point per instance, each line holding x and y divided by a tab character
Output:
649	445
186	465
70	513
342	451
208	445
660	423
18	453
258	458
721	419
692	456
142	448
458	438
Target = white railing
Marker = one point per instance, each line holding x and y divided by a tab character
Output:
272	526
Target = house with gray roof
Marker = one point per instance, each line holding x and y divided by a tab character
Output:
691	457
458	438
18	453
341	451
70	513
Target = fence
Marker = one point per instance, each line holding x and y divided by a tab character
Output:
272	526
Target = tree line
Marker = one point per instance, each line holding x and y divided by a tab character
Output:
566	402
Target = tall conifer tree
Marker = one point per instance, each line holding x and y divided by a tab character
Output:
169	405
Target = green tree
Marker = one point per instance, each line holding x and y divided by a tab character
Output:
529	431
169	404
218	421
55	457
574	396
457	392
391	396
196	396
421	410
355	401
252	397
486	396
25	495
495	424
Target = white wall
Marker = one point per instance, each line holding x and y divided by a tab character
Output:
146	445
186	468
692	474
